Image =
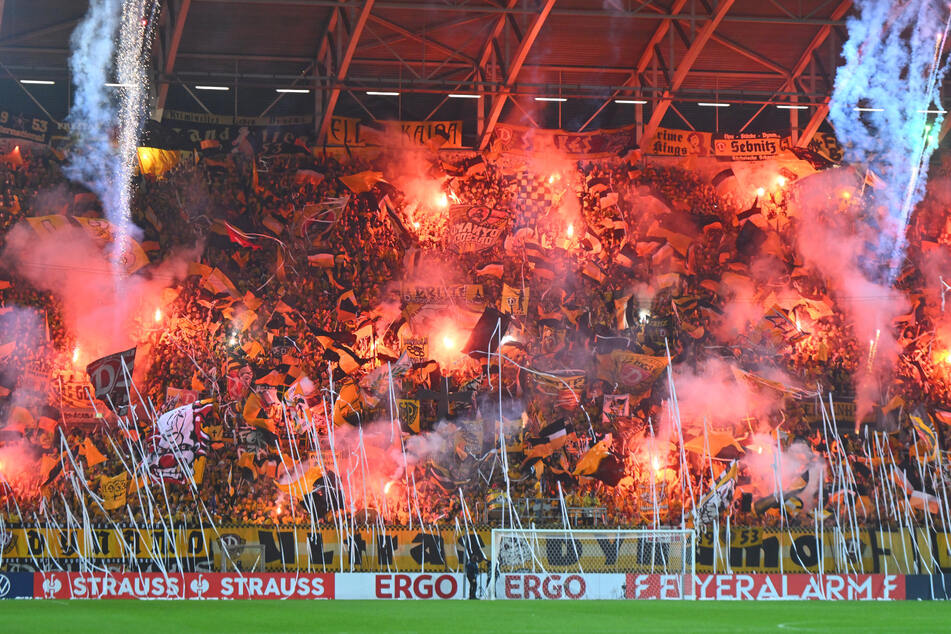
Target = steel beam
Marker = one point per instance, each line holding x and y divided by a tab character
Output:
171	54
823	110
514	67
816	42
470	8
40	32
683	67
425	41
342	68
642	62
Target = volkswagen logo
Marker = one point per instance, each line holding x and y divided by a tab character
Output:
4	586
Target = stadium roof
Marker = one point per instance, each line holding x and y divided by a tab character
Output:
673	54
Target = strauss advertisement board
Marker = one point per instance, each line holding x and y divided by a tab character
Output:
131	585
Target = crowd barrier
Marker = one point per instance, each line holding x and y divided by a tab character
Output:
447	586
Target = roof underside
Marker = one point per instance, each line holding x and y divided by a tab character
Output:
760	52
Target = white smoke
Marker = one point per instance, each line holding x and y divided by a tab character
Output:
111	41
880	105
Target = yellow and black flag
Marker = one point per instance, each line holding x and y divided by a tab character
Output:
790	498
921	421
719	498
601	464
347	307
408	412
256	415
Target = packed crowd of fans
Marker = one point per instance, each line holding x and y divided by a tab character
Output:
378	238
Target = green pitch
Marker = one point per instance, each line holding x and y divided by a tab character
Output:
585	617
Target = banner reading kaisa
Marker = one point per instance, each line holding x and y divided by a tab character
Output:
476	227
438	134
749	147
668	142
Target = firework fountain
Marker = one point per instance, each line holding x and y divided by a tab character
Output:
885	107
110	49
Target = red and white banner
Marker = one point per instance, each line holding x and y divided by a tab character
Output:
400	585
760	587
560	586
132	585
555	586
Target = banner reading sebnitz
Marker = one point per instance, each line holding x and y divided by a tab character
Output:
749	147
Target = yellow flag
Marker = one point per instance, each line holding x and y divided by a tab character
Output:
113	491
633	373
362	182
255	414
91	453
591	460
514	300
199	469
348	408
298	479
408	412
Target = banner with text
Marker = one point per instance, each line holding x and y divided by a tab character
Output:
749	147
683	143
577	145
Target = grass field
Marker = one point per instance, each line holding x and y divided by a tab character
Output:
135	617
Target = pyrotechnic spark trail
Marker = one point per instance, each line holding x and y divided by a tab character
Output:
111	43
880	106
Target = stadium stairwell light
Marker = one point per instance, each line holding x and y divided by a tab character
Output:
110	84
38	82
296	91
205	87
789	106
638	102
933	111
382	93
456	95
557	99
713	104
862	109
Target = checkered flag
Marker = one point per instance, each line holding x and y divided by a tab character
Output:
534	198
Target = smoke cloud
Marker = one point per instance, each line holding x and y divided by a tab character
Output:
892	71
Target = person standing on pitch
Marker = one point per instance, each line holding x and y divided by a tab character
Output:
472	574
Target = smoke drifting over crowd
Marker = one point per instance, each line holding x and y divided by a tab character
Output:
887	130
110	48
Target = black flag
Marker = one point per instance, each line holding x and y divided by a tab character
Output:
109	379
487	333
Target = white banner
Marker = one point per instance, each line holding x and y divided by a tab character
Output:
400	585
560	586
